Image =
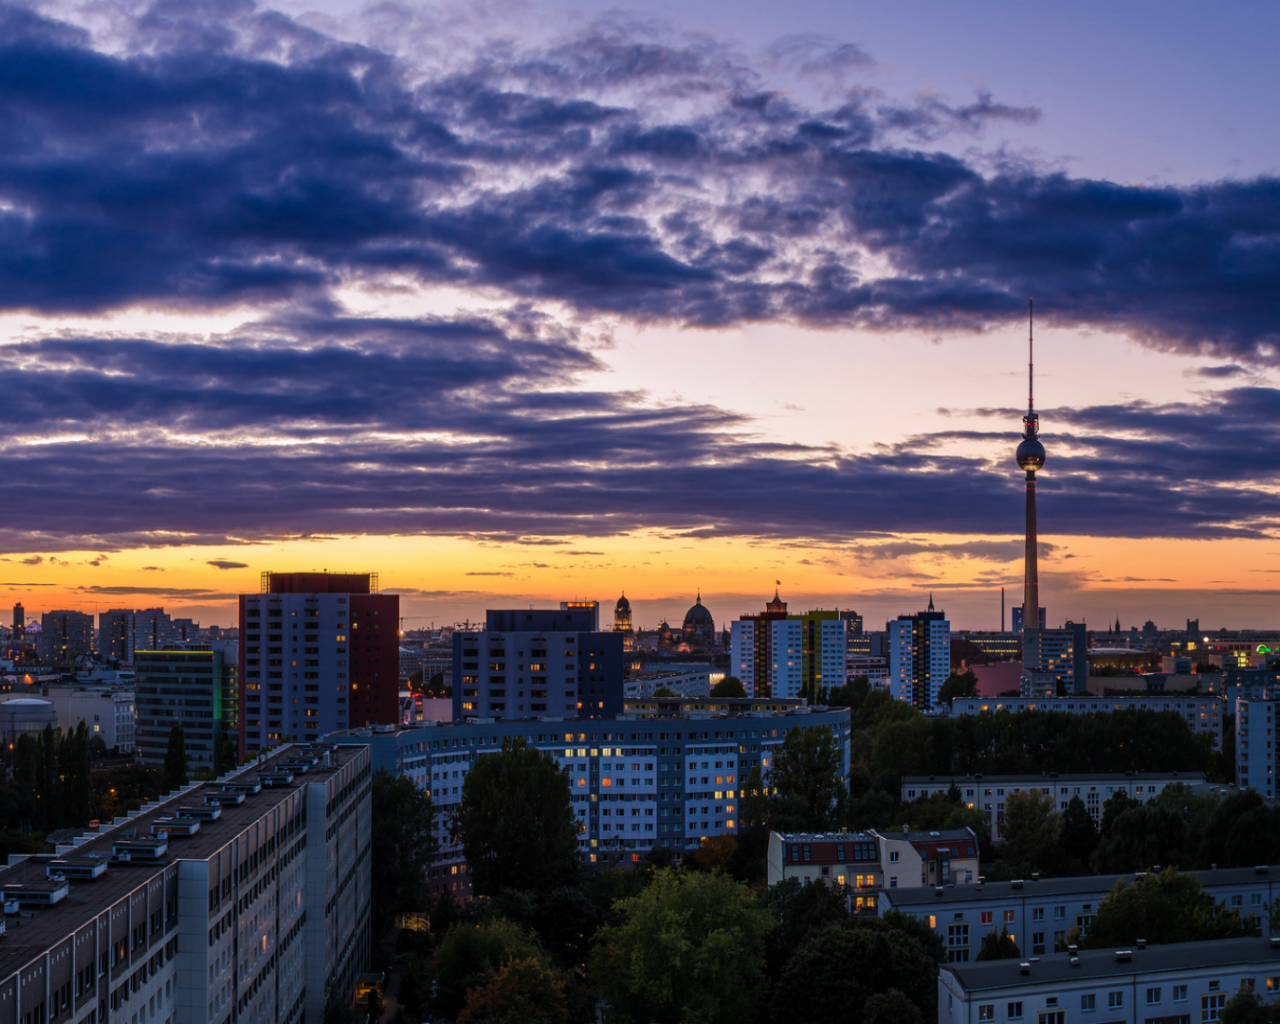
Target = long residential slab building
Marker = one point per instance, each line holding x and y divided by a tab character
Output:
989	792
1203	713
1040	912
244	899
667	774
1175	983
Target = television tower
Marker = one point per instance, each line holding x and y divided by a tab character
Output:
1031	458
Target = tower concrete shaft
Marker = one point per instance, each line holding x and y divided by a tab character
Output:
1031	458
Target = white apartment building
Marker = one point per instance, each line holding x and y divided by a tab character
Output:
109	713
919	657
798	649
242	899
1203	714
989	792
1146	984
913	859
1040	912
1256	745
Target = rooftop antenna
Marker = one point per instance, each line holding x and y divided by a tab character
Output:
1031	353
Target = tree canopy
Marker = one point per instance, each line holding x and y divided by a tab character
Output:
689	949
832	977
1167	907
729	686
404	845
516	821
805	777
998	946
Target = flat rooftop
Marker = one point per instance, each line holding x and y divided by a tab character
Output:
1047	888
29	933
1052	777
1101	964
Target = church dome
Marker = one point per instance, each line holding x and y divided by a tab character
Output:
623	604
698	615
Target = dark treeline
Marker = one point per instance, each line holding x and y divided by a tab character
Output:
891	739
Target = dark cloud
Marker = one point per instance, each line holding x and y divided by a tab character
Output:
325	427
227	155
220	156
1219	372
200	592
223	563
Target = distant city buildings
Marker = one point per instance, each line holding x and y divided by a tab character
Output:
65	637
108	711
319	652
776	654
622	624
530	663
1017	617
919	657
194	686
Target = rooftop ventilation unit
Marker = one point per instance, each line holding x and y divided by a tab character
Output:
40	894
248	788
209	812
1017	883
140	850
1123	956
1024	967
276	779
223	799
175	826
85	866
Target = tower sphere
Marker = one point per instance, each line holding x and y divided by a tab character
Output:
1030	454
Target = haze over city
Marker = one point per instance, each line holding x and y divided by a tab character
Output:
519	303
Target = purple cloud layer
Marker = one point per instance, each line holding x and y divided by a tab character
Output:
221	155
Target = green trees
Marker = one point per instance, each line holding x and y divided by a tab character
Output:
519	992
516	821
729	686
958	684
1079	835
470	956
175	759
1030	829
403	847
1168	907
805	777
998	946
834	975
1249	1008
689	949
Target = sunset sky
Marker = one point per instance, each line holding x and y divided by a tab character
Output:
522	302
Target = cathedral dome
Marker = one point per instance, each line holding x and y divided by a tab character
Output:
698	615
623	604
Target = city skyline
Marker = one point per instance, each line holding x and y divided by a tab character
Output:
594	307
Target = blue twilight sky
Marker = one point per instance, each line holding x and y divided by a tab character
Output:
519	301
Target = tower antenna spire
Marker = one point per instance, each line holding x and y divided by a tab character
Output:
1031	353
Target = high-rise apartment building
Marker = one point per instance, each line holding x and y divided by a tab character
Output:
1062	659
1019	616
919	656
19	623
65	636
244	899
194	686
115	635
802	653
751	654
318	652
530	663
1255	748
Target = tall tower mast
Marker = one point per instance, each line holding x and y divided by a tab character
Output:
1031	458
